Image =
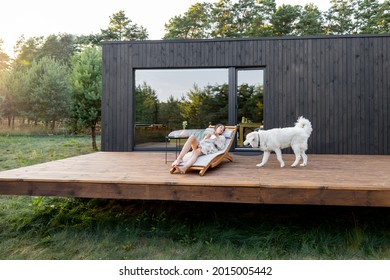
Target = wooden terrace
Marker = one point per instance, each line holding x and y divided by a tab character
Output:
349	180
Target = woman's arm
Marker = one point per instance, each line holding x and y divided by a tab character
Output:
207	137
220	142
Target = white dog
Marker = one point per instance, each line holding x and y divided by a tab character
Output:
279	138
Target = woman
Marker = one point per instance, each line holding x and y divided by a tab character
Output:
210	144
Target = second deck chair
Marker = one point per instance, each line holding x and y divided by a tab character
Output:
204	162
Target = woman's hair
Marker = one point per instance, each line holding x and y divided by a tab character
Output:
218	125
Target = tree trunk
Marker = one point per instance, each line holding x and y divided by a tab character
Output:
93	132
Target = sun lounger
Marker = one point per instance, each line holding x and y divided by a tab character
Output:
204	162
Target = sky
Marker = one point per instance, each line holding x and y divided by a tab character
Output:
82	17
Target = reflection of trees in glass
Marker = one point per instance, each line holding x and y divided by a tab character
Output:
250	102
191	107
215	105
147	105
170	114
199	107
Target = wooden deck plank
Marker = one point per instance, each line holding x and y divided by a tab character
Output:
358	180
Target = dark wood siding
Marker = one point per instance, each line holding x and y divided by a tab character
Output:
341	83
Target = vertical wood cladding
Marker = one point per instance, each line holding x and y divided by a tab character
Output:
341	83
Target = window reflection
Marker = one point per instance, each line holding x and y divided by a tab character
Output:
165	99
249	101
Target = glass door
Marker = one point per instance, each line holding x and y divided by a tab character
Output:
168	100
249	95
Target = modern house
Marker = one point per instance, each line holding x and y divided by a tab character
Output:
340	83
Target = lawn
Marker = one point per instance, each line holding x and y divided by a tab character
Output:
23	150
66	228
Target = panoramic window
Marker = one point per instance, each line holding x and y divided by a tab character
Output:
174	99
249	101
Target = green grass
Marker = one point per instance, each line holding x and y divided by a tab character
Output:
67	228
23	150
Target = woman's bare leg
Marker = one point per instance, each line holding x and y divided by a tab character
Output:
192	142
195	154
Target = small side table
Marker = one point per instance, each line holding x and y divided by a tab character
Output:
242	130
177	144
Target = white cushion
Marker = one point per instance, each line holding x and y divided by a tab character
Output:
198	133
186	133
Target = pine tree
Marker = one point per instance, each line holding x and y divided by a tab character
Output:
87	89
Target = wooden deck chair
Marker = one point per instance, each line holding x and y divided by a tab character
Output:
204	162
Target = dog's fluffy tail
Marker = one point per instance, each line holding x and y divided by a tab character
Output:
305	124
